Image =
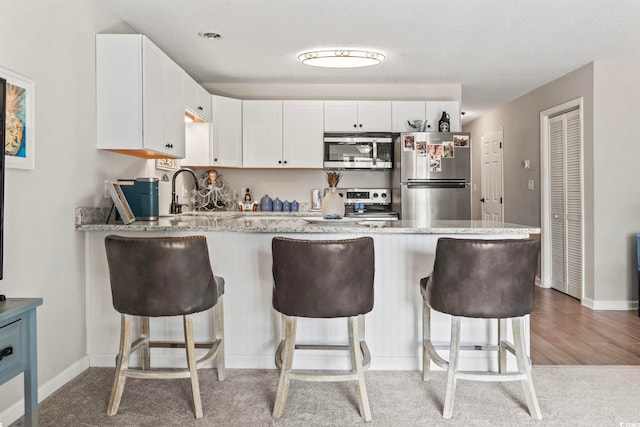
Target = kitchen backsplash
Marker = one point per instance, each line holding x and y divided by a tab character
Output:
294	184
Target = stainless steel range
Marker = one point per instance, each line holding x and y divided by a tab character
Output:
368	203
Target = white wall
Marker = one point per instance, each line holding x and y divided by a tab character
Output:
616	184
53	44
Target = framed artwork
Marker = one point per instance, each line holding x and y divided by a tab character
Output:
121	203
167	164
19	141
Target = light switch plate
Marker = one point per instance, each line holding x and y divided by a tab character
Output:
531	185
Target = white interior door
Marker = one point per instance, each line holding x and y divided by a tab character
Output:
565	202
492	185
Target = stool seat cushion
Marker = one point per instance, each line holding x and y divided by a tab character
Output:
482	278
165	276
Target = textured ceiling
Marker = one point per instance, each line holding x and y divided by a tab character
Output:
496	49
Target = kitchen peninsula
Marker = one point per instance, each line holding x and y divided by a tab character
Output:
240	251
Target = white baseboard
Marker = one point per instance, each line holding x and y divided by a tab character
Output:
623	305
15	411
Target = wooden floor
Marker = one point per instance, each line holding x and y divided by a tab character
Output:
563	332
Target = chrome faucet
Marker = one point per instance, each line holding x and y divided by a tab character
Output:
176	207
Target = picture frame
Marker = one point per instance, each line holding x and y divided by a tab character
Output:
19	139
167	164
121	203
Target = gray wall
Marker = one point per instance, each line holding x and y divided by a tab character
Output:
610	91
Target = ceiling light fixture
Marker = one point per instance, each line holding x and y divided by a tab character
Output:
341	58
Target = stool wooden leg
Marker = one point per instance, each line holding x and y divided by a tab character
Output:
191	363
523	366
144	333
502	351
287	363
357	366
218	327
454	353
426	337
123	364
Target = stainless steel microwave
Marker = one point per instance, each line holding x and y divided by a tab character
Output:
358	151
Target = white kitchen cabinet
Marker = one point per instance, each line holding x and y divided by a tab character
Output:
218	143
262	134
302	134
140	98
197	99
434	113
226	131
357	116
404	111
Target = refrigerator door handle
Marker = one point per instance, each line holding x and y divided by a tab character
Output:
375	151
436	184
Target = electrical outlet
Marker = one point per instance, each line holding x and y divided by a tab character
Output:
531	185
106	195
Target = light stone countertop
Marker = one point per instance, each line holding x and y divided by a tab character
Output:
94	219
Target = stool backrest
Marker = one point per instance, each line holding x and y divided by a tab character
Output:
484	278
323	278
164	276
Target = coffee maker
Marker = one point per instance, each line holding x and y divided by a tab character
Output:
142	196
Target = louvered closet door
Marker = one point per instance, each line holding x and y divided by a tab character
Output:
565	151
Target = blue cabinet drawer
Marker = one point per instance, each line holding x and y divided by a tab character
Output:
14	336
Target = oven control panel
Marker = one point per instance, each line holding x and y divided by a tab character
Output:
380	196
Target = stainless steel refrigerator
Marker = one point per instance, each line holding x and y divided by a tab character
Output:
431	176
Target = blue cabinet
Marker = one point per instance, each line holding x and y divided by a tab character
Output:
18	350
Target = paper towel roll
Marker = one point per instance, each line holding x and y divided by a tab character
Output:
164	197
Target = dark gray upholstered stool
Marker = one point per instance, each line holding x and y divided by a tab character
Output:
155	277
323	279
491	279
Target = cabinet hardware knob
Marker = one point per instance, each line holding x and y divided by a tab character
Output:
279	162
215	160
482	200
355	125
285	162
200	108
360	124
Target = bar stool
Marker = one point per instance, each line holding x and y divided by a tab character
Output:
156	277
490	279
323	279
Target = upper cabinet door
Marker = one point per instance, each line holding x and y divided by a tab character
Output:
374	116
341	116
357	116
226	131
174	109
262	134
435	110
197	99
302	133
404	111
153	97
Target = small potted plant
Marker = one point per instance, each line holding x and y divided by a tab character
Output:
332	203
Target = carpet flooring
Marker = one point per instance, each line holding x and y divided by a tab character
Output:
568	396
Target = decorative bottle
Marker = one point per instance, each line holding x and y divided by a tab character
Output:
332	203
444	124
